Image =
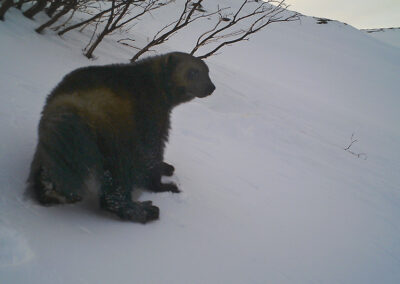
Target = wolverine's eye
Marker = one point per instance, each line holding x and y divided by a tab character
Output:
192	74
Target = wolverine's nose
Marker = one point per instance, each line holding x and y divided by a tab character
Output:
210	88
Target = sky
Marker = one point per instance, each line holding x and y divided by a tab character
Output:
361	14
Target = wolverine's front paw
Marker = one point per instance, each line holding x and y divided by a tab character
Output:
142	212
172	187
167	169
165	187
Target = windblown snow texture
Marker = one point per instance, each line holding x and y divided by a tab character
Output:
269	193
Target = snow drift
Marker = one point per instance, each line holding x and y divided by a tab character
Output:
269	193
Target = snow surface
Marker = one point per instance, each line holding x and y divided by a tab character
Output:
269	193
390	36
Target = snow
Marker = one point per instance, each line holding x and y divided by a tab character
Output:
269	195
390	36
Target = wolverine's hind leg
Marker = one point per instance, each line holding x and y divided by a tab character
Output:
65	153
45	189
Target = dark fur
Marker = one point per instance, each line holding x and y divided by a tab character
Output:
113	121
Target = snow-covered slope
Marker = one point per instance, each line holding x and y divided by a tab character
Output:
390	36
269	193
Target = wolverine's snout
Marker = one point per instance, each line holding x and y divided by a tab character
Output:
211	89
208	90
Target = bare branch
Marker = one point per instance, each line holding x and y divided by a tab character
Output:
7	4
119	17
122	41
353	141
68	5
261	14
185	18
88	21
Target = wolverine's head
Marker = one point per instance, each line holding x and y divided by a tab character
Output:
188	77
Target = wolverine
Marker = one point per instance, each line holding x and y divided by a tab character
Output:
112	122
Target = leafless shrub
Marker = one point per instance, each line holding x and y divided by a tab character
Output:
120	16
230	25
7	4
348	148
55	4
36	8
19	3
67	6
251	17
191	12
94	18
